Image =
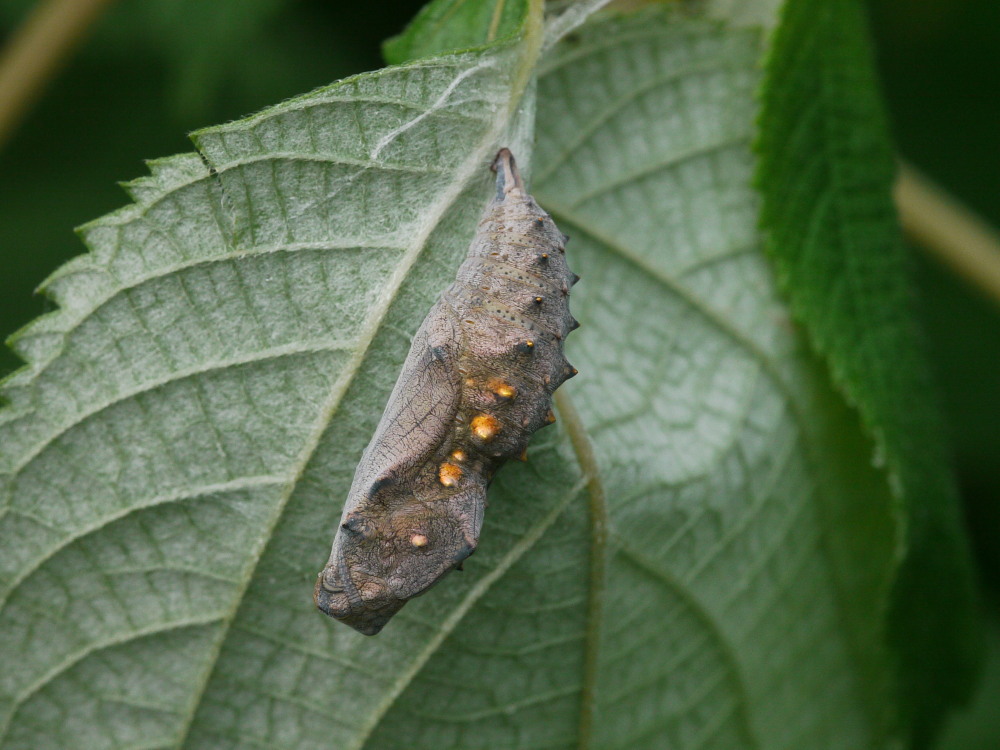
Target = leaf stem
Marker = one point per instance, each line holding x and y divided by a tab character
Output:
33	54
951	232
598	513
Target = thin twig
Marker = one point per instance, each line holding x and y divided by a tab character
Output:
47	37
936	221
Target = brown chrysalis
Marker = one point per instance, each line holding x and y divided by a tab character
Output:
477	383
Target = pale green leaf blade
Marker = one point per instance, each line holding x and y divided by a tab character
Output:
742	611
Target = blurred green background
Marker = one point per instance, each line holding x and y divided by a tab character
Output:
152	70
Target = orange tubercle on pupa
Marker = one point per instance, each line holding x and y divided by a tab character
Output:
501	388
485	427
449	474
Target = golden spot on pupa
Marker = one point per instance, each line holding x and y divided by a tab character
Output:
449	474
485	427
470	382
458	455
550	417
501	388
418	540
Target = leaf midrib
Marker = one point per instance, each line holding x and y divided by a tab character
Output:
598	564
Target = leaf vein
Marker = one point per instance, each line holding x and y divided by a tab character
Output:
208	490
266	355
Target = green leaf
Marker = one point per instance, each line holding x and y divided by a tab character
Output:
825	173
448	25
698	555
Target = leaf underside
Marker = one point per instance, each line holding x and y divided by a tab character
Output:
176	454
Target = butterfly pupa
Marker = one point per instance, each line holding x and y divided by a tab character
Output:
475	386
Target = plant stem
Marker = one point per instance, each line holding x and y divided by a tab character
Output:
938	222
33	54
